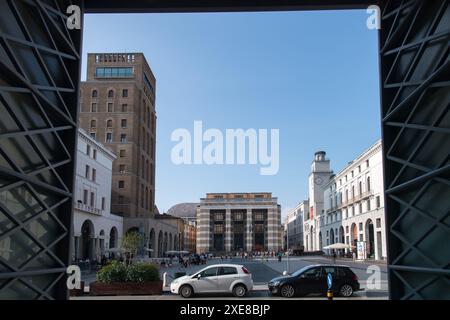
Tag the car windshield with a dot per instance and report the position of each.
(300, 271)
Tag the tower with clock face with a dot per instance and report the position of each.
(318, 178)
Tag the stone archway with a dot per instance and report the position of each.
(354, 236)
(87, 240)
(370, 239)
(113, 238)
(165, 243)
(160, 244)
(152, 243)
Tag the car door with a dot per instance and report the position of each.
(207, 282)
(226, 276)
(309, 281)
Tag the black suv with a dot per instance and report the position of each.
(313, 279)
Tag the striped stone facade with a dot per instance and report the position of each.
(234, 222)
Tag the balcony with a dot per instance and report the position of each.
(84, 207)
(356, 198)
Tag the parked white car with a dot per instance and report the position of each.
(219, 278)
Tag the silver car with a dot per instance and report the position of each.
(219, 278)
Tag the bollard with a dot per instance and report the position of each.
(330, 295)
(164, 279)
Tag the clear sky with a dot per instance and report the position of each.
(312, 75)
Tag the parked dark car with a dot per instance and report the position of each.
(313, 280)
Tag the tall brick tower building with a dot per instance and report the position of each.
(118, 109)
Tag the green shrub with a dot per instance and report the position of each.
(142, 272)
(117, 272)
(112, 272)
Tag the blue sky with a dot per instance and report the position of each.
(312, 75)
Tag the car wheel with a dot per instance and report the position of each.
(239, 290)
(346, 290)
(287, 291)
(186, 291)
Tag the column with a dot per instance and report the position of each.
(271, 235)
(228, 236)
(249, 231)
(203, 230)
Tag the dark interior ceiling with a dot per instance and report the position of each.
(143, 6)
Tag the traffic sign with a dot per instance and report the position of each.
(329, 280)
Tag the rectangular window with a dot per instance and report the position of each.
(94, 107)
(122, 153)
(122, 168)
(239, 228)
(86, 173)
(259, 227)
(110, 107)
(239, 216)
(124, 107)
(123, 138)
(378, 201)
(93, 135)
(85, 196)
(88, 150)
(218, 228)
(109, 137)
(121, 184)
(378, 223)
(125, 93)
(103, 203)
(94, 154)
(94, 175)
(123, 123)
(92, 199)
(218, 216)
(360, 226)
(368, 205)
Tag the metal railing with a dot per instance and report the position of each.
(84, 207)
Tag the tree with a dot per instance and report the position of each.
(130, 245)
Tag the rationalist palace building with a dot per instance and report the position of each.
(237, 222)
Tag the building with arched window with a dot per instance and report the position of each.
(96, 231)
(348, 206)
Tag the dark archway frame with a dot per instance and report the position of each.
(40, 61)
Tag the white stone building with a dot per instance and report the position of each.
(351, 209)
(95, 229)
(294, 226)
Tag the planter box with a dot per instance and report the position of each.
(126, 288)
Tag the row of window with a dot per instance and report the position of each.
(91, 201)
(219, 216)
(352, 173)
(338, 197)
(109, 123)
(347, 213)
(111, 93)
(91, 174)
(114, 72)
(88, 152)
(109, 137)
(109, 107)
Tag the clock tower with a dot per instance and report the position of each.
(318, 178)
